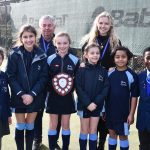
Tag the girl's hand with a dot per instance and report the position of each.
(130, 119)
(9, 120)
(111, 68)
(28, 99)
(23, 96)
(92, 107)
(82, 65)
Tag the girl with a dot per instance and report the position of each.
(62, 68)
(27, 72)
(92, 88)
(5, 113)
(122, 99)
(103, 34)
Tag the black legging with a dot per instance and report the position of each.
(38, 126)
(144, 138)
(58, 126)
(102, 132)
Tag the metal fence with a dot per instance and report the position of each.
(131, 20)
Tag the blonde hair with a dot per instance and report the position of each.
(92, 35)
(61, 34)
(2, 52)
(25, 28)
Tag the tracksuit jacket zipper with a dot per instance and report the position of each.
(26, 72)
(36, 58)
(62, 64)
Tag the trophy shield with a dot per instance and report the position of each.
(62, 83)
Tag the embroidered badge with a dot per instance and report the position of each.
(123, 83)
(56, 65)
(5, 89)
(100, 78)
(39, 67)
(2, 81)
(69, 67)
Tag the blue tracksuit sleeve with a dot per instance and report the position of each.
(103, 94)
(82, 95)
(134, 87)
(11, 73)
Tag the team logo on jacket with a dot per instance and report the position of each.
(123, 83)
(39, 67)
(2, 82)
(56, 65)
(100, 78)
(62, 83)
(69, 67)
(4, 89)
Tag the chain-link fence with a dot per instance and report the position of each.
(137, 63)
(131, 20)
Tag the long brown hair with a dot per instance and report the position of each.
(25, 28)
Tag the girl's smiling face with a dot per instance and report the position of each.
(28, 39)
(121, 59)
(93, 55)
(62, 43)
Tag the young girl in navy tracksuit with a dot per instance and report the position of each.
(27, 72)
(103, 33)
(92, 88)
(61, 104)
(122, 99)
(5, 113)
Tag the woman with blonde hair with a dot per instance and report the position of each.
(102, 33)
